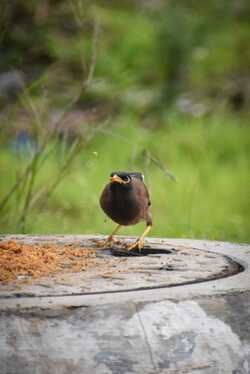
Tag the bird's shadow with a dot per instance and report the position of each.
(145, 251)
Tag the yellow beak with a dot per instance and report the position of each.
(116, 179)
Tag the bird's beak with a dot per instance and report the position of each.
(116, 179)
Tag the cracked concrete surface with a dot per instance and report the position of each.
(201, 328)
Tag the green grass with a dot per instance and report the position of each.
(210, 158)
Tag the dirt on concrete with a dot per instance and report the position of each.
(20, 261)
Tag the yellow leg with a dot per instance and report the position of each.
(140, 242)
(110, 238)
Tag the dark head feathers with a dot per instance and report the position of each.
(122, 174)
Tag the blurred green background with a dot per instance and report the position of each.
(89, 87)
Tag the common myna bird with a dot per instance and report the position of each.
(125, 199)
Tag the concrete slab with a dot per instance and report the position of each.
(158, 265)
(192, 328)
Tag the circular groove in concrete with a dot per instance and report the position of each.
(160, 265)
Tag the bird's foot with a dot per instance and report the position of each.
(137, 245)
(107, 242)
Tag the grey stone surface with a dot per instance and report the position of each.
(199, 328)
(159, 265)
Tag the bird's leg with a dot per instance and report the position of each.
(140, 242)
(110, 238)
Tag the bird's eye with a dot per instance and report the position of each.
(126, 178)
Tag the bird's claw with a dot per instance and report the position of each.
(137, 245)
(109, 242)
(105, 243)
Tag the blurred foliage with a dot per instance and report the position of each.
(159, 86)
(149, 52)
(209, 200)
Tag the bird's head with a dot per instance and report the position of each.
(121, 178)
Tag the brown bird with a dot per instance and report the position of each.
(126, 201)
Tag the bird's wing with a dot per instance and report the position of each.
(146, 213)
(149, 201)
(142, 190)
